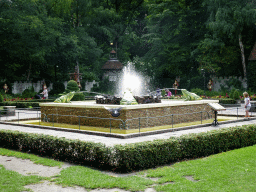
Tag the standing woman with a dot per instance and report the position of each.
(247, 104)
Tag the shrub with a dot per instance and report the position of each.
(131, 157)
(105, 86)
(1, 98)
(227, 101)
(78, 97)
(72, 86)
(236, 94)
(57, 88)
(198, 91)
(28, 93)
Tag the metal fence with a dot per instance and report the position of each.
(236, 110)
(22, 114)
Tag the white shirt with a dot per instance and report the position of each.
(247, 102)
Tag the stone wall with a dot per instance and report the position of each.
(19, 87)
(130, 116)
(218, 81)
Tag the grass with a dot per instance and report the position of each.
(12, 181)
(229, 171)
(34, 158)
(92, 179)
(121, 131)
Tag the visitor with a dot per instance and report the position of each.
(169, 93)
(247, 104)
(45, 93)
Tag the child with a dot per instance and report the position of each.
(247, 104)
(45, 93)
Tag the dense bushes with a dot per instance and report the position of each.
(28, 93)
(78, 97)
(135, 156)
(57, 88)
(1, 98)
(72, 86)
(20, 104)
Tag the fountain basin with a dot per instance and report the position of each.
(131, 116)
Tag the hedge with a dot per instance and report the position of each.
(227, 101)
(131, 157)
(20, 104)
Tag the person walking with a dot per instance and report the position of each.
(45, 93)
(247, 104)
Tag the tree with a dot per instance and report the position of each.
(174, 30)
(228, 21)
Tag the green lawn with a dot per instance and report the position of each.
(230, 171)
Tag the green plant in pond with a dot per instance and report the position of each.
(190, 96)
(65, 98)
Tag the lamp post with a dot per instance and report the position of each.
(203, 72)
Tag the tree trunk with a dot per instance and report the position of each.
(242, 54)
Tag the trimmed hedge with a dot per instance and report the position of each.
(20, 104)
(79, 96)
(131, 157)
(25, 104)
(227, 101)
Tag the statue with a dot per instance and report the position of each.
(209, 85)
(175, 86)
(5, 88)
(128, 99)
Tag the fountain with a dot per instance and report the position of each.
(134, 108)
(132, 89)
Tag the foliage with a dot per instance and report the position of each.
(251, 75)
(197, 91)
(105, 86)
(28, 93)
(1, 98)
(57, 88)
(78, 96)
(227, 23)
(234, 94)
(165, 39)
(234, 83)
(131, 157)
(20, 104)
(72, 86)
(227, 101)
